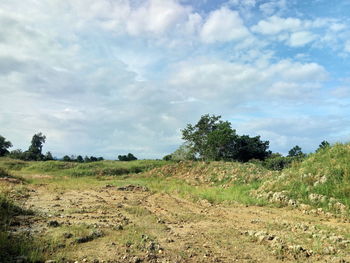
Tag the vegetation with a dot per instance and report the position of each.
(127, 158)
(321, 180)
(212, 139)
(4, 145)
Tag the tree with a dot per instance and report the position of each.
(214, 139)
(48, 157)
(296, 152)
(80, 159)
(247, 148)
(184, 152)
(4, 145)
(66, 158)
(35, 149)
(210, 138)
(323, 145)
(127, 158)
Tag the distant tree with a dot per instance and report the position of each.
(100, 159)
(184, 152)
(323, 145)
(127, 158)
(93, 159)
(167, 157)
(66, 158)
(35, 149)
(16, 154)
(80, 159)
(214, 139)
(296, 152)
(48, 156)
(211, 138)
(4, 145)
(87, 159)
(247, 148)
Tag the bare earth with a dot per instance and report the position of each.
(132, 224)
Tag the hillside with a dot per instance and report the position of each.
(322, 180)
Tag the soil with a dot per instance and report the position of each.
(132, 224)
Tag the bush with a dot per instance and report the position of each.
(278, 163)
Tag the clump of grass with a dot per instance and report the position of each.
(11, 164)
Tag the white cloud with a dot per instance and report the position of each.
(156, 16)
(236, 83)
(223, 25)
(274, 25)
(298, 39)
(347, 46)
(271, 7)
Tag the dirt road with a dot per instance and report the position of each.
(132, 224)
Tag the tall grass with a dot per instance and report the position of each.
(101, 168)
(326, 173)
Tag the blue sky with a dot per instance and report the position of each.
(110, 77)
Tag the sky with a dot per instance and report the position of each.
(110, 77)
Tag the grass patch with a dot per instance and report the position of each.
(325, 173)
(214, 194)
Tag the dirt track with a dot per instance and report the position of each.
(134, 225)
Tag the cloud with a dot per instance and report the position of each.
(298, 39)
(275, 25)
(111, 77)
(156, 16)
(271, 7)
(347, 46)
(223, 25)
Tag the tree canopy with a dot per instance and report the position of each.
(127, 158)
(4, 145)
(214, 139)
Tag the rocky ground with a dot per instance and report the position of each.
(132, 224)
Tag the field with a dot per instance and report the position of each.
(157, 211)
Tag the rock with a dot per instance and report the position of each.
(315, 198)
(21, 259)
(329, 251)
(53, 223)
(50, 261)
(67, 235)
(131, 187)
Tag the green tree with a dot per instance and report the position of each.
(16, 154)
(4, 145)
(66, 158)
(184, 152)
(323, 145)
(48, 156)
(35, 149)
(80, 159)
(214, 139)
(127, 158)
(210, 138)
(247, 148)
(296, 152)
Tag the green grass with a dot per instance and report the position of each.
(101, 168)
(304, 178)
(214, 194)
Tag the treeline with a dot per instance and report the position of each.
(212, 139)
(34, 152)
